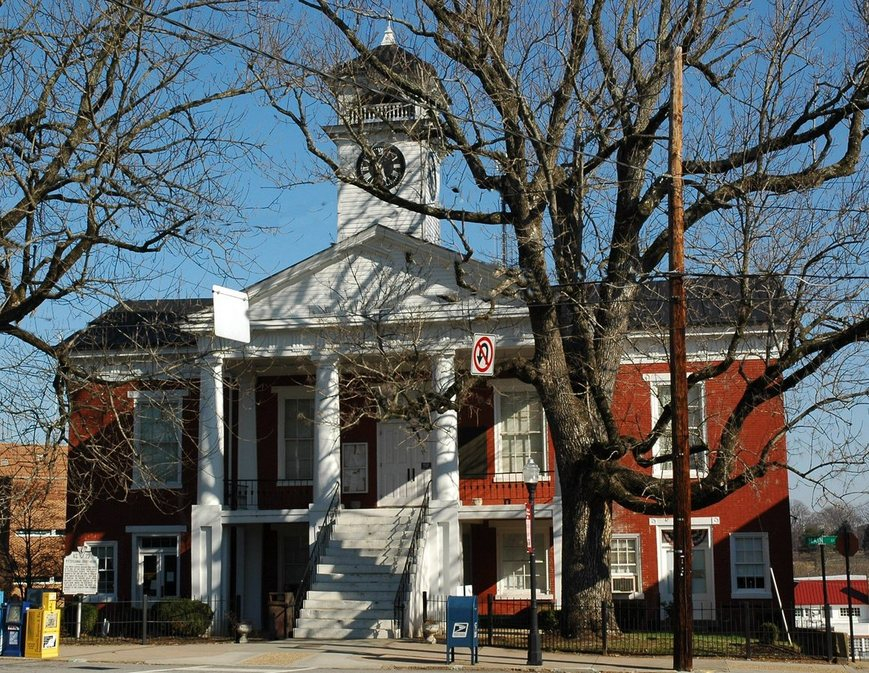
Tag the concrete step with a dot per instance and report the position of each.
(381, 613)
(391, 559)
(374, 593)
(357, 580)
(360, 622)
(397, 544)
(341, 634)
(332, 603)
(358, 574)
(389, 513)
(372, 570)
(385, 535)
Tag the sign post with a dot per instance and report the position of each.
(846, 545)
(822, 541)
(81, 577)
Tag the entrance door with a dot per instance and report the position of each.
(158, 566)
(702, 586)
(403, 465)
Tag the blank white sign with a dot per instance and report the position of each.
(230, 314)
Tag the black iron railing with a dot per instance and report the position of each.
(268, 493)
(751, 629)
(403, 591)
(324, 535)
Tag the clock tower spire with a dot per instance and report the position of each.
(387, 133)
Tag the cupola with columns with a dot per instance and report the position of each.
(387, 136)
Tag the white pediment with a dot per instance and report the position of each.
(376, 274)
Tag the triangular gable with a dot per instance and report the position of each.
(376, 272)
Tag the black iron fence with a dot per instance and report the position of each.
(745, 630)
(146, 620)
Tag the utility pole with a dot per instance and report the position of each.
(683, 628)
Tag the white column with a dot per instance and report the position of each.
(445, 477)
(207, 554)
(444, 545)
(211, 431)
(327, 432)
(247, 460)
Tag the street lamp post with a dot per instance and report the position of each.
(531, 475)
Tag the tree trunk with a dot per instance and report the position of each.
(587, 522)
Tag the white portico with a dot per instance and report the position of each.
(277, 441)
(265, 403)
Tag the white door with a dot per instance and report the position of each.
(403, 465)
(702, 586)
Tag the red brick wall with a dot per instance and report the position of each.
(35, 494)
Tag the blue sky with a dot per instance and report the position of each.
(284, 225)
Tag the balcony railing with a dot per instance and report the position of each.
(269, 493)
(503, 488)
(384, 112)
(491, 488)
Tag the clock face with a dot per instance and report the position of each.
(388, 161)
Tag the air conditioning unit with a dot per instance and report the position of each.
(623, 584)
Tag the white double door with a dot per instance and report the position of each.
(702, 579)
(403, 465)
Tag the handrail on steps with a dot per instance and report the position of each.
(324, 535)
(400, 603)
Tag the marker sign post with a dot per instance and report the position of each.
(81, 576)
(483, 355)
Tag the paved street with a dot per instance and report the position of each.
(359, 655)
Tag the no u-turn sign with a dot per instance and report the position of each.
(483, 355)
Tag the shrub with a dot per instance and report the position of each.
(769, 633)
(88, 617)
(182, 617)
(549, 621)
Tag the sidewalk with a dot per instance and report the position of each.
(402, 654)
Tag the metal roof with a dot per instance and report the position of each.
(140, 324)
(712, 302)
(811, 592)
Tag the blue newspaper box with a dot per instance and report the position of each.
(14, 621)
(462, 626)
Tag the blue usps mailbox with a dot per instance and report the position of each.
(462, 626)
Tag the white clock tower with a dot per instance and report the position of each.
(384, 130)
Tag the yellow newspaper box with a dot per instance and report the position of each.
(49, 600)
(43, 633)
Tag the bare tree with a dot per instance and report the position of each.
(32, 514)
(120, 146)
(556, 114)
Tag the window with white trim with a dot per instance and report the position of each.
(625, 573)
(157, 438)
(849, 612)
(107, 558)
(520, 432)
(514, 577)
(296, 434)
(660, 389)
(749, 565)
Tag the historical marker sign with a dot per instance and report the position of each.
(483, 355)
(81, 573)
